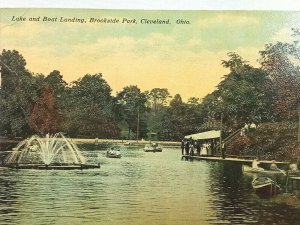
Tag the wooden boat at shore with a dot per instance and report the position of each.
(264, 186)
(154, 147)
(249, 169)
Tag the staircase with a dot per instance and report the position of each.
(228, 140)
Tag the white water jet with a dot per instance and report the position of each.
(50, 150)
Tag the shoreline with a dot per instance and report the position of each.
(125, 142)
(12, 142)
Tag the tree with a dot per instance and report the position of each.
(178, 120)
(176, 102)
(159, 97)
(133, 102)
(56, 81)
(89, 108)
(281, 61)
(194, 101)
(45, 117)
(244, 97)
(18, 93)
(235, 62)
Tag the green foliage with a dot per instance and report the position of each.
(55, 80)
(158, 97)
(133, 103)
(235, 62)
(244, 97)
(178, 120)
(281, 61)
(263, 95)
(274, 140)
(18, 93)
(89, 108)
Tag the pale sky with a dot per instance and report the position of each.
(186, 59)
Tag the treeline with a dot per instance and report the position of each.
(36, 103)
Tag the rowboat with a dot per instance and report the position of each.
(113, 154)
(249, 169)
(265, 186)
(152, 148)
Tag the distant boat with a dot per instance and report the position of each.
(113, 154)
(154, 147)
(265, 186)
(249, 169)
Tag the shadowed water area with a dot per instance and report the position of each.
(140, 188)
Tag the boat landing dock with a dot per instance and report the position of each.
(231, 159)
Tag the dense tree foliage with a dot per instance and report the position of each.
(40, 104)
(45, 117)
(281, 61)
(244, 97)
(133, 103)
(158, 98)
(89, 108)
(178, 120)
(18, 93)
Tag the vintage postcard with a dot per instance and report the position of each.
(170, 117)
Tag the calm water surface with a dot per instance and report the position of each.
(140, 188)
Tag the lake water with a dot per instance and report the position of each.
(140, 188)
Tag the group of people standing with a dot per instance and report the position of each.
(248, 127)
(198, 147)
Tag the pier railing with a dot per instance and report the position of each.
(230, 138)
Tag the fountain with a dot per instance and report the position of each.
(50, 152)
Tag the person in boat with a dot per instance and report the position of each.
(294, 168)
(273, 165)
(154, 145)
(255, 164)
(110, 150)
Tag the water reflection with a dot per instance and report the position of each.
(140, 188)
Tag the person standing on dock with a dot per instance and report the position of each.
(198, 147)
(223, 150)
(182, 146)
(212, 146)
(192, 149)
(187, 147)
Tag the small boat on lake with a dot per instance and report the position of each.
(249, 169)
(113, 154)
(264, 186)
(154, 147)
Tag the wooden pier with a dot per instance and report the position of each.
(232, 159)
